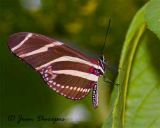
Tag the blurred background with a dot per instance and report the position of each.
(80, 24)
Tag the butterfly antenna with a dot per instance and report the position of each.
(105, 39)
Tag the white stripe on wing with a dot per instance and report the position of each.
(22, 42)
(72, 59)
(84, 75)
(42, 49)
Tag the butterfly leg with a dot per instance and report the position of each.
(95, 96)
(110, 82)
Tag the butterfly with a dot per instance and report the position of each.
(67, 71)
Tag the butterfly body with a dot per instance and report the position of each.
(65, 70)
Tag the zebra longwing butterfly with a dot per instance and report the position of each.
(65, 70)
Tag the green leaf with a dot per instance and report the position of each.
(142, 101)
(132, 40)
(137, 103)
(152, 16)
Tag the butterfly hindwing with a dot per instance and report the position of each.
(70, 86)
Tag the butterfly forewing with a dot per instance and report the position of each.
(64, 69)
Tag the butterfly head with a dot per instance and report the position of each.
(102, 64)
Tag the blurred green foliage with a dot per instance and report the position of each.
(79, 23)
